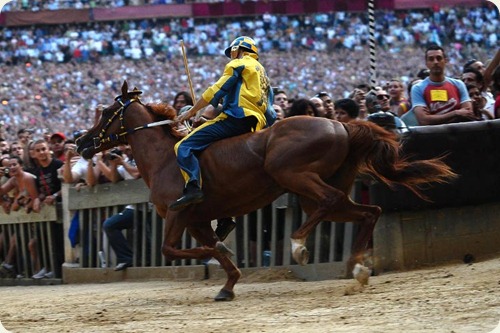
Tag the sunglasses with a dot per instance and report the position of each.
(382, 97)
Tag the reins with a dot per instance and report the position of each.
(98, 141)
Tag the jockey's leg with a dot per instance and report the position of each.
(198, 140)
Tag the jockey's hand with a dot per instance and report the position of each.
(185, 113)
(199, 121)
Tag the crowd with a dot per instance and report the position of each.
(55, 76)
(36, 5)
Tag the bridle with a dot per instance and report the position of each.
(102, 138)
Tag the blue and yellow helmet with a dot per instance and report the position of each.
(243, 41)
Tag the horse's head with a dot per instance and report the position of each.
(109, 130)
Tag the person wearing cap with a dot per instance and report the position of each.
(246, 107)
(56, 144)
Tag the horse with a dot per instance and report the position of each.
(318, 159)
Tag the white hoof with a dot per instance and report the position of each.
(361, 274)
(299, 252)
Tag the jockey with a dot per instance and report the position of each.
(246, 107)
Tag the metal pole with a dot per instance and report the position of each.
(373, 52)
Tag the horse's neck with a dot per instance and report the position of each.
(153, 151)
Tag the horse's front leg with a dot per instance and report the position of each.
(174, 229)
(206, 236)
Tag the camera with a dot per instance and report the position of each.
(6, 171)
(113, 154)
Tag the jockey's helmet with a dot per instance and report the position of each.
(244, 42)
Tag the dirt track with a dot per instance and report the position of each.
(453, 298)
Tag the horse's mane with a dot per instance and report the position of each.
(164, 111)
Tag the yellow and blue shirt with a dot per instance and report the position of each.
(244, 88)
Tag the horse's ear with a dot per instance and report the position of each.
(125, 89)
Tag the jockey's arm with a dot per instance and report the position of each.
(200, 104)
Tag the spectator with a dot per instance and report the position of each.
(384, 117)
(122, 169)
(75, 173)
(359, 96)
(327, 103)
(280, 115)
(26, 193)
(4, 147)
(23, 185)
(346, 110)
(281, 99)
(303, 107)
(478, 102)
(440, 99)
(182, 99)
(405, 106)
(56, 144)
(371, 103)
(423, 73)
(49, 186)
(395, 88)
(318, 103)
(16, 149)
(475, 77)
(24, 136)
(29, 157)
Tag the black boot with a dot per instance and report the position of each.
(192, 195)
(224, 227)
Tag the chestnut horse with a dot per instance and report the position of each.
(316, 158)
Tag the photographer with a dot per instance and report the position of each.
(114, 165)
(121, 167)
(76, 168)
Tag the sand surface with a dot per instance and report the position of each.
(453, 298)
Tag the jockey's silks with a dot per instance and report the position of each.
(244, 88)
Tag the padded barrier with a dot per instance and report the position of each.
(473, 152)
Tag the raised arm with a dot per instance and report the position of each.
(488, 72)
(30, 186)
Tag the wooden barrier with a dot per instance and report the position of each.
(261, 239)
(44, 231)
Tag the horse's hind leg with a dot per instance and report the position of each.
(325, 197)
(364, 215)
(206, 236)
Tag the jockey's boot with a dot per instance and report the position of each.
(192, 195)
(224, 227)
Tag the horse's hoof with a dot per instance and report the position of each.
(222, 248)
(224, 295)
(361, 273)
(301, 255)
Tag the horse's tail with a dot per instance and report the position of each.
(377, 152)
